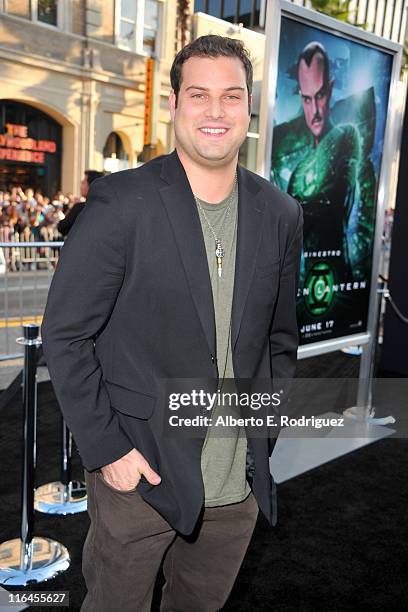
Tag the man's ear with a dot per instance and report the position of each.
(172, 104)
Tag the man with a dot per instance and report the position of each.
(325, 180)
(64, 226)
(193, 277)
(315, 89)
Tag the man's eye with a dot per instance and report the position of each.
(233, 97)
(197, 96)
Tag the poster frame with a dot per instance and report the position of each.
(276, 10)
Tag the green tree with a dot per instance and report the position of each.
(340, 10)
(335, 8)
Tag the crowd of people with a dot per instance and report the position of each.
(28, 215)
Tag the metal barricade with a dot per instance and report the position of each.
(26, 270)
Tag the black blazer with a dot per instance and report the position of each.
(131, 304)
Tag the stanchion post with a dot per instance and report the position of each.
(31, 343)
(66, 450)
(65, 496)
(30, 559)
(368, 359)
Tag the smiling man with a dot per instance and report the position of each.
(191, 269)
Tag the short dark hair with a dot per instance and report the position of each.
(308, 53)
(212, 45)
(92, 175)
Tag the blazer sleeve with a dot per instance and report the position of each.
(82, 296)
(284, 338)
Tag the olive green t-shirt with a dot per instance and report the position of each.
(223, 459)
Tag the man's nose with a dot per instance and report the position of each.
(316, 109)
(215, 108)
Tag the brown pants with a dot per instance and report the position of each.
(128, 540)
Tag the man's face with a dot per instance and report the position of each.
(211, 119)
(315, 94)
(84, 186)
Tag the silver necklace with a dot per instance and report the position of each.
(219, 247)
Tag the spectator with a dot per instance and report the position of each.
(65, 225)
(26, 214)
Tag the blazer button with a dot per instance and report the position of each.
(213, 359)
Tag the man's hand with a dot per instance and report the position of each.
(124, 474)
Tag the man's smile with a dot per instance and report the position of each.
(213, 132)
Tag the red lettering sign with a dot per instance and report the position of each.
(16, 130)
(16, 137)
(24, 156)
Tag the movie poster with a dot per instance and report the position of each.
(328, 140)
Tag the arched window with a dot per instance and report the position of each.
(114, 154)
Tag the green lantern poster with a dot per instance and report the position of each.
(327, 144)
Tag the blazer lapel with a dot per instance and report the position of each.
(182, 212)
(250, 223)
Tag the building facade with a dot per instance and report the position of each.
(84, 85)
(387, 18)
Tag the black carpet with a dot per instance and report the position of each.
(341, 541)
